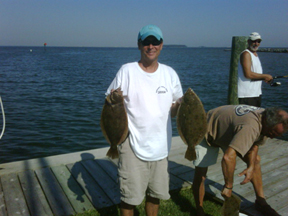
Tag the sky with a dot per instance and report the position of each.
(116, 23)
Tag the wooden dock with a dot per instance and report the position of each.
(72, 183)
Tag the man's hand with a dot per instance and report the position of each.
(248, 175)
(268, 78)
(179, 100)
(226, 193)
(249, 159)
(175, 106)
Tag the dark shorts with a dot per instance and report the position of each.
(254, 101)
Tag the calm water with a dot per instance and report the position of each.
(53, 98)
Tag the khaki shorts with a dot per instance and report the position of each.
(139, 178)
(206, 155)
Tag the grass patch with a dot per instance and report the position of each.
(181, 203)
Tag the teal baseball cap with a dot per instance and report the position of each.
(150, 30)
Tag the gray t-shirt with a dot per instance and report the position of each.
(237, 126)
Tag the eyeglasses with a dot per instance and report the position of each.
(258, 41)
(154, 42)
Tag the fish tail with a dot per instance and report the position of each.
(112, 153)
(190, 154)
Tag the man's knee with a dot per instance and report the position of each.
(153, 200)
(126, 206)
(200, 174)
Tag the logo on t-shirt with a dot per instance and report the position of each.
(161, 90)
(241, 110)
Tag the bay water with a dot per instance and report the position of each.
(53, 96)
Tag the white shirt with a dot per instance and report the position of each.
(148, 98)
(247, 87)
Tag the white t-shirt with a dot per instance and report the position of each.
(247, 87)
(148, 98)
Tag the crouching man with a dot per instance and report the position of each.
(238, 130)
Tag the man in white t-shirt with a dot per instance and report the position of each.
(250, 74)
(152, 92)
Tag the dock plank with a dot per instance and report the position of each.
(93, 191)
(56, 198)
(176, 183)
(279, 200)
(272, 178)
(179, 169)
(34, 195)
(177, 156)
(109, 167)
(283, 211)
(271, 190)
(108, 185)
(72, 189)
(95, 177)
(14, 198)
(3, 211)
(265, 152)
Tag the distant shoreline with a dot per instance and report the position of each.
(275, 50)
(174, 46)
(171, 46)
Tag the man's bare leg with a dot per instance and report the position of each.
(152, 206)
(257, 179)
(126, 209)
(199, 188)
(260, 203)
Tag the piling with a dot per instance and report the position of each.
(239, 43)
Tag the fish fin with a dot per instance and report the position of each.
(112, 153)
(190, 154)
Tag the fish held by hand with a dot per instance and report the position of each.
(191, 122)
(114, 121)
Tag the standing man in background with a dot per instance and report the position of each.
(250, 70)
(152, 92)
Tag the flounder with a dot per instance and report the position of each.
(114, 122)
(191, 122)
(231, 206)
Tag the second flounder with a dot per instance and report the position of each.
(191, 122)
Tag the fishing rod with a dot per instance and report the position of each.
(273, 84)
(277, 77)
(3, 114)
